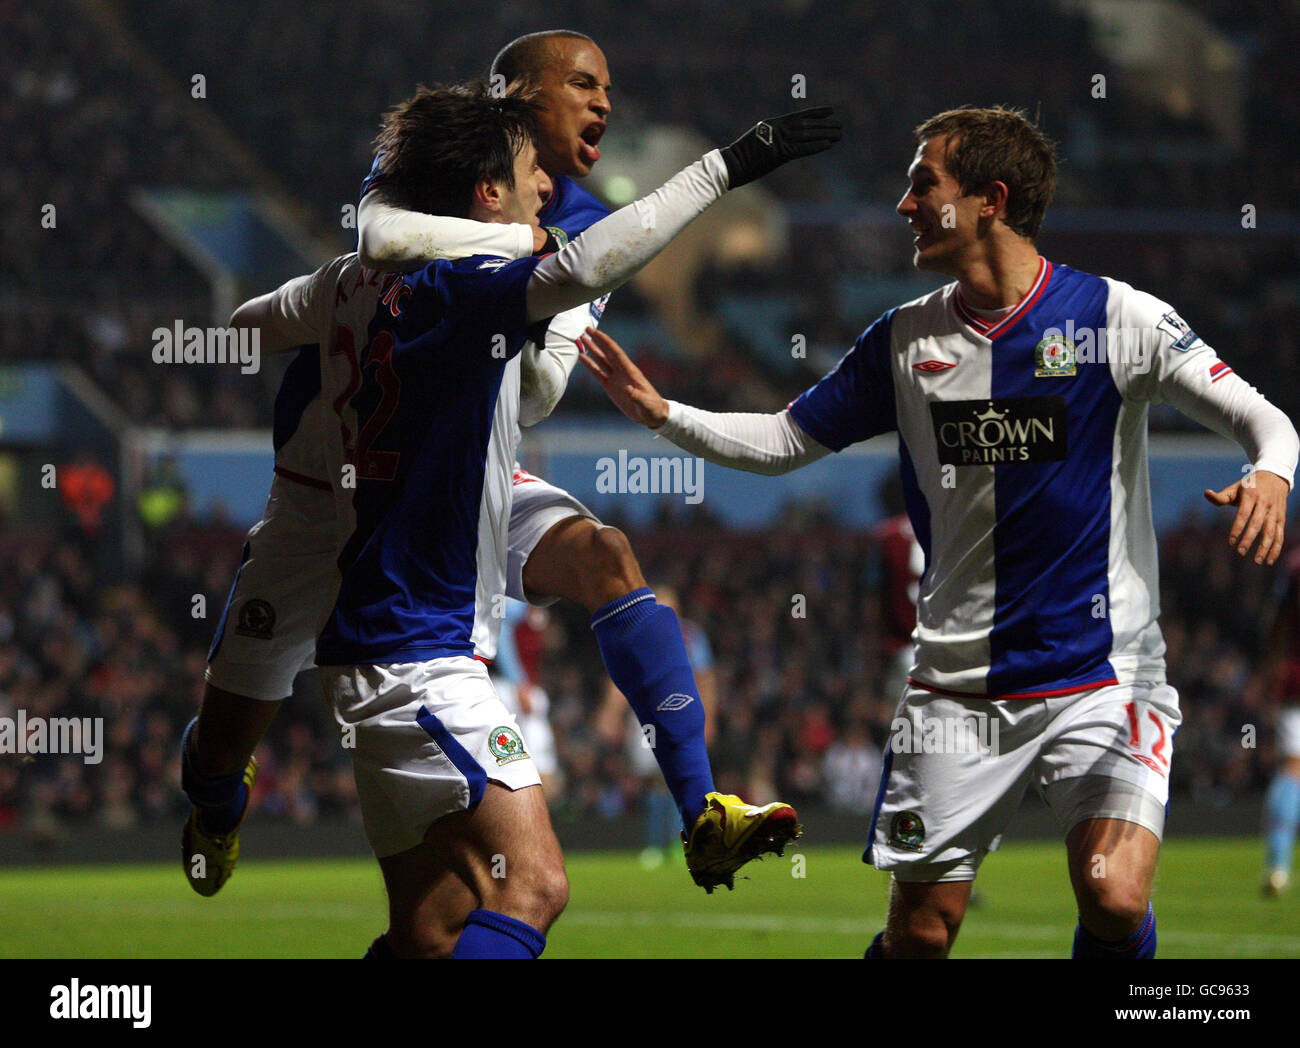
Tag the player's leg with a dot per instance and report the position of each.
(440, 762)
(924, 919)
(282, 591)
(224, 735)
(217, 774)
(566, 553)
(1104, 772)
(557, 549)
(427, 905)
(954, 774)
(1112, 865)
(484, 882)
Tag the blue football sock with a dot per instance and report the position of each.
(494, 936)
(1140, 946)
(876, 951)
(641, 643)
(1281, 818)
(221, 799)
(379, 951)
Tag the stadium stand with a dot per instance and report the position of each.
(804, 709)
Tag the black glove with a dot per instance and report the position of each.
(771, 143)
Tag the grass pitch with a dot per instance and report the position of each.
(815, 902)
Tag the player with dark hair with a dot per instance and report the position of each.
(422, 372)
(557, 548)
(1019, 393)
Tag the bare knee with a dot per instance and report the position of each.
(924, 919)
(1112, 864)
(536, 894)
(611, 566)
(425, 938)
(585, 562)
(1112, 907)
(921, 935)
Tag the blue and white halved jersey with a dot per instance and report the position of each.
(427, 401)
(1023, 447)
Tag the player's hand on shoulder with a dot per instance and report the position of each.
(622, 380)
(1260, 498)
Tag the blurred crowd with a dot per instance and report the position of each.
(94, 109)
(806, 622)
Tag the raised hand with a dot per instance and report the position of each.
(622, 380)
(771, 143)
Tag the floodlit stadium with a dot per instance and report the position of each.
(171, 163)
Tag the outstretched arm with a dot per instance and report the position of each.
(613, 250)
(756, 443)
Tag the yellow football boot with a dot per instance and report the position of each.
(209, 858)
(730, 832)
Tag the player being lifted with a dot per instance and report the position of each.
(1023, 454)
(423, 372)
(556, 546)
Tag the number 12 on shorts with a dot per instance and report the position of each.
(1157, 752)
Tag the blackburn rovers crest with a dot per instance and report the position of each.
(906, 831)
(256, 619)
(506, 745)
(1055, 357)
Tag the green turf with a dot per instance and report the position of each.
(1207, 897)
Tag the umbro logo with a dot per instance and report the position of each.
(931, 366)
(674, 702)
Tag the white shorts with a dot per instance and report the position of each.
(287, 583)
(1288, 732)
(536, 508)
(283, 592)
(955, 771)
(425, 738)
(535, 725)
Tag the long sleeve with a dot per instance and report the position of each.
(391, 239)
(1179, 368)
(756, 443)
(613, 250)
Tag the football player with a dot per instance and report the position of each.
(557, 548)
(422, 373)
(1019, 393)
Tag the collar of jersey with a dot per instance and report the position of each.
(991, 329)
(552, 201)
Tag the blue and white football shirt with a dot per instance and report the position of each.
(427, 406)
(1023, 447)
